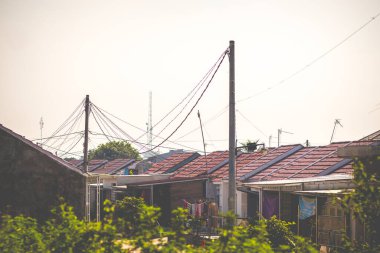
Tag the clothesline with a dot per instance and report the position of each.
(196, 209)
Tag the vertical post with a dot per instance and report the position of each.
(98, 198)
(316, 219)
(151, 195)
(279, 204)
(279, 131)
(232, 134)
(85, 144)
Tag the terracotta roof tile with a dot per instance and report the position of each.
(310, 162)
(202, 164)
(170, 162)
(113, 166)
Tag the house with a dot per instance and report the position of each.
(310, 179)
(32, 179)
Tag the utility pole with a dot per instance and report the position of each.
(85, 144)
(232, 133)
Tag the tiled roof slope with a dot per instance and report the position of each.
(39, 149)
(202, 164)
(171, 162)
(372, 137)
(96, 164)
(113, 166)
(75, 162)
(310, 162)
(241, 161)
(248, 162)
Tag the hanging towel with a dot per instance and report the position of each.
(307, 207)
(270, 204)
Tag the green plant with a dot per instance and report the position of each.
(364, 201)
(20, 234)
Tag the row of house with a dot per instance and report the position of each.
(294, 182)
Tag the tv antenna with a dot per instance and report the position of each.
(336, 122)
(279, 132)
(41, 126)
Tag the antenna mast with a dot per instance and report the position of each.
(41, 126)
(336, 122)
(279, 132)
(150, 125)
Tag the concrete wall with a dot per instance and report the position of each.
(31, 182)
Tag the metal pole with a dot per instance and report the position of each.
(85, 144)
(151, 195)
(98, 198)
(316, 219)
(232, 133)
(203, 138)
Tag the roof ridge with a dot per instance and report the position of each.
(41, 150)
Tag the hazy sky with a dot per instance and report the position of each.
(53, 53)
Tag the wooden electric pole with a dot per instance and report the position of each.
(232, 133)
(85, 144)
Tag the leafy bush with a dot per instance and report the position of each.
(20, 234)
(130, 224)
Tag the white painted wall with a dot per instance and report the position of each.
(241, 204)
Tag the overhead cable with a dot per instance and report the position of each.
(188, 114)
(315, 60)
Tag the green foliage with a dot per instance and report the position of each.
(132, 225)
(66, 233)
(279, 232)
(113, 150)
(137, 221)
(364, 201)
(249, 146)
(241, 239)
(20, 234)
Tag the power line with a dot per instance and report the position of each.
(122, 139)
(217, 115)
(136, 140)
(315, 60)
(70, 153)
(202, 83)
(56, 136)
(203, 92)
(66, 121)
(250, 122)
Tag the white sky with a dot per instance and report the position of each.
(53, 53)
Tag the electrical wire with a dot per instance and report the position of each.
(73, 146)
(197, 87)
(188, 114)
(136, 140)
(70, 153)
(200, 86)
(56, 136)
(66, 121)
(250, 122)
(122, 139)
(217, 115)
(312, 62)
